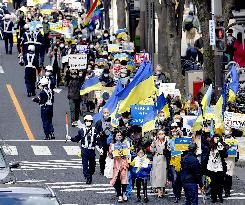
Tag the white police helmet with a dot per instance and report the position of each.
(31, 48)
(26, 26)
(7, 16)
(49, 68)
(44, 81)
(88, 118)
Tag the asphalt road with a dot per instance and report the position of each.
(56, 162)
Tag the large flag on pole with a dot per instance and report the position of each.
(234, 85)
(140, 88)
(94, 13)
(91, 85)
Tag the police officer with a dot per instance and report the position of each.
(8, 26)
(39, 41)
(31, 64)
(26, 39)
(89, 141)
(191, 175)
(45, 101)
(49, 74)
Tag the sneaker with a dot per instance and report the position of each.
(52, 136)
(146, 200)
(120, 199)
(125, 198)
(47, 137)
(138, 199)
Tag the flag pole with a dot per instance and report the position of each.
(67, 128)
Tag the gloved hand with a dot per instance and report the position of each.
(68, 138)
(101, 151)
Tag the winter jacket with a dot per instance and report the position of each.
(191, 170)
(74, 89)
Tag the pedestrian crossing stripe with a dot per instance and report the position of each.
(42, 150)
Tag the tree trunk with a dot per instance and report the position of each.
(142, 24)
(227, 12)
(107, 17)
(121, 14)
(204, 15)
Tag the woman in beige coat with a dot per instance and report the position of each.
(159, 165)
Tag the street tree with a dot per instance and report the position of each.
(121, 13)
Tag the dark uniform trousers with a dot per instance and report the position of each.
(88, 161)
(47, 115)
(8, 40)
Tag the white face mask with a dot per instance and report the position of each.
(88, 124)
(106, 35)
(161, 118)
(227, 132)
(48, 73)
(123, 75)
(106, 116)
(106, 75)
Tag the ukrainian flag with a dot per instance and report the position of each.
(206, 100)
(150, 120)
(91, 85)
(111, 104)
(141, 87)
(234, 85)
(202, 112)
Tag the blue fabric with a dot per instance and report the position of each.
(129, 188)
(191, 194)
(143, 173)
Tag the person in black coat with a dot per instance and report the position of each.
(191, 175)
(215, 167)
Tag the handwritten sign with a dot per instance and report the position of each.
(138, 113)
(139, 57)
(82, 48)
(77, 61)
(128, 47)
(234, 120)
(181, 144)
(167, 88)
(121, 149)
(113, 48)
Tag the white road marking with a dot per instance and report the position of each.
(72, 150)
(1, 69)
(31, 181)
(41, 150)
(10, 150)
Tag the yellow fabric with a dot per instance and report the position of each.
(218, 117)
(232, 96)
(142, 91)
(149, 126)
(166, 111)
(197, 124)
(97, 86)
(176, 162)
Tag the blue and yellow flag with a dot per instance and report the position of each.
(111, 104)
(206, 99)
(150, 120)
(141, 87)
(91, 85)
(234, 85)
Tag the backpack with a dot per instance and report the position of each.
(189, 25)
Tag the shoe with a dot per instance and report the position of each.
(102, 173)
(33, 94)
(47, 137)
(214, 201)
(120, 199)
(146, 200)
(28, 95)
(138, 199)
(176, 200)
(52, 136)
(10, 52)
(89, 181)
(221, 200)
(125, 198)
(19, 55)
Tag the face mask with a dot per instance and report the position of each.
(106, 116)
(88, 124)
(182, 114)
(123, 75)
(48, 73)
(106, 75)
(45, 21)
(227, 132)
(161, 119)
(194, 112)
(60, 18)
(106, 35)
(125, 121)
(61, 45)
(161, 137)
(174, 133)
(66, 46)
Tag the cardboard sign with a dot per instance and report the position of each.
(128, 47)
(112, 48)
(121, 149)
(82, 48)
(139, 57)
(172, 148)
(232, 151)
(167, 88)
(234, 120)
(181, 144)
(138, 113)
(77, 61)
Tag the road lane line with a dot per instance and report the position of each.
(1, 69)
(41, 150)
(10, 150)
(72, 150)
(20, 112)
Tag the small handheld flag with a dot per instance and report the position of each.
(67, 129)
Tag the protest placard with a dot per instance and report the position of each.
(128, 47)
(77, 61)
(167, 88)
(139, 57)
(234, 120)
(181, 144)
(172, 148)
(139, 112)
(82, 48)
(233, 146)
(113, 48)
(188, 122)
